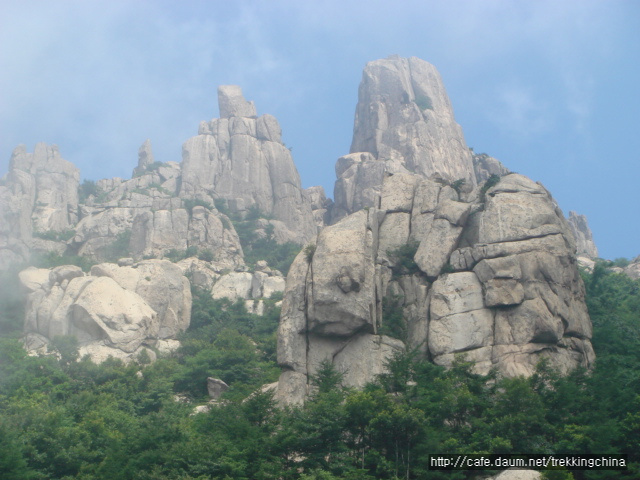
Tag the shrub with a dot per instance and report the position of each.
(492, 181)
(206, 255)
(447, 268)
(393, 322)
(119, 248)
(424, 102)
(403, 259)
(189, 203)
(86, 189)
(458, 184)
(53, 259)
(309, 250)
(56, 236)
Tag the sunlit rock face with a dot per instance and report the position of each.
(491, 277)
(241, 158)
(404, 123)
(114, 311)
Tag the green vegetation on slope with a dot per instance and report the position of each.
(65, 419)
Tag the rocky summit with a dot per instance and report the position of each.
(426, 246)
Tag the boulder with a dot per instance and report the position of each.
(216, 387)
(342, 300)
(113, 311)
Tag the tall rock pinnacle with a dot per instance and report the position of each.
(404, 123)
(241, 158)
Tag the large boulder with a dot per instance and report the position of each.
(113, 311)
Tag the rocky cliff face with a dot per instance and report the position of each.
(404, 123)
(490, 275)
(240, 157)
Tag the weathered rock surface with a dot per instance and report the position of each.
(633, 269)
(145, 158)
(241, 158)
(485, 166)
(585, 245)
(113, 310)
(39, 195)
(404, 123)
(493, 281)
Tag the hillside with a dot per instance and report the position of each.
(212, 319)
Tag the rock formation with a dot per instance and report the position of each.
(492, 278)
(241, 158)
(38, 196)
(633, 269)
(403, 124)
(585, 246)
(484, 166)
(114, 311)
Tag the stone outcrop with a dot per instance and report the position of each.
(492, 278)
(145, 158)
(241, 159)
(321, 206)
(585, 245)
(38, 196)
(633, 269)
(485, 166)
(517, 474)
(404, 123)
(113, 311)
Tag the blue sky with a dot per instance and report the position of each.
(550, 88)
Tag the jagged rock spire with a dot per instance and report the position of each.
(404, 123)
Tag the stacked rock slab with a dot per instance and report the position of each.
(240, 157)
(404, 123)
(493, 279)
(114, 311)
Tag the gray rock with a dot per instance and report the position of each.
(486, 166)
(403, 124)
(145, 158)
(358, 185)
(216, 387)
(232, 102)
(342, 299)
(113, 311)
(506, 291)
(240, 158)
(583, 236)
(633, 269)
(517, 475)
(39, 195)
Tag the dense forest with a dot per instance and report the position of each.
(62, 417)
